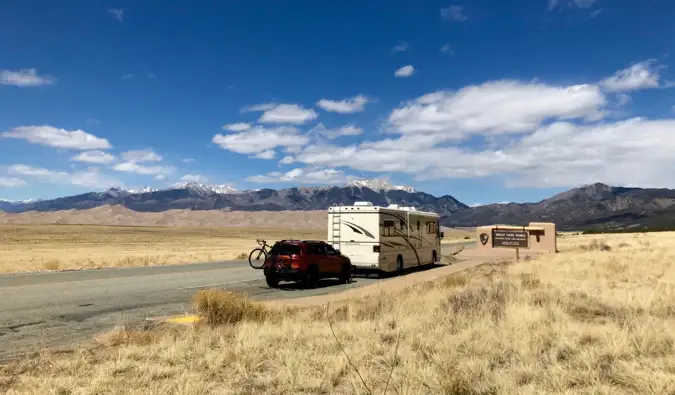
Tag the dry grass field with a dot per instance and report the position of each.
(59, 247)
(596, 318)
(29, 248)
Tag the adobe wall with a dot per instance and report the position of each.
(542, 236)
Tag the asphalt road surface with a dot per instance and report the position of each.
(55, 309)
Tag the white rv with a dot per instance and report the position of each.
(388, 238)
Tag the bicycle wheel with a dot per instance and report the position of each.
(257, 258)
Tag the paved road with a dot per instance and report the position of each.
(56, 308)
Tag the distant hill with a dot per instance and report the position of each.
(195, 196)
(596, 206)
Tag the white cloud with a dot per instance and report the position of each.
(127, 76)
(552, 136)
(267, 154)
(237, 127)
(12, 182)
(134, 167)
(447, 48)
(117, 13)
(400, 47)
(59, 138)
(189, 160)
(159, 177)
(405, 71)
(287, 160)
(151, 76)
(347, 130)
(642, 75)
(91, 178)
(259, 107)
(144, 155)
(623, 99)
(345, 106)
(24, 78)
(634, 152)
(584, 3)
(578, 3)
(498, 107)
(194, 178)
(93, 121)
(455, 13)
(288, 113)
(302, 176)
(26, 170)
(259, 139)
(98, 157)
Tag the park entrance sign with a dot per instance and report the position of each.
(510, 238)
(534, 237)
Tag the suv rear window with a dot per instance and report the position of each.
(285, 249)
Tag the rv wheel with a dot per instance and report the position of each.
(399, 265)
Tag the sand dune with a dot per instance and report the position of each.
(122, 216)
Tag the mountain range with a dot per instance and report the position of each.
(596, 206)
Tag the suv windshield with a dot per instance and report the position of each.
(285, 249)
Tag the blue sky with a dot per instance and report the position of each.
(488, 101)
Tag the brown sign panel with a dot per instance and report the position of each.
(510, 238)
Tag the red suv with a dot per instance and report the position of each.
(305, 261)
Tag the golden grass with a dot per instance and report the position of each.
(29, 248)
(60, 247)
(216, 307)
(584, 321)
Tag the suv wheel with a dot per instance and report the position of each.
(272, 281)
(311, 277)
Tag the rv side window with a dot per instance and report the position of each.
(387, 228)
(401, 224)
(432, 228)
(418, 225)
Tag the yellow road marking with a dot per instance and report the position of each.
(183, 320)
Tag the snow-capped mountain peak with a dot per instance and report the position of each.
(221, 189)
(145, 189)
(21, 201)
(377, 184)
(119, 191)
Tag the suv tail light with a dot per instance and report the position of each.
(376, 248)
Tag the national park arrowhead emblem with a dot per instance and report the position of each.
(484, 238)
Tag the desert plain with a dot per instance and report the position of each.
(108, 236)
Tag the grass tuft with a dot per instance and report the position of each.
(216, 307)
(52, 264)
(596, 245)
(241, 256)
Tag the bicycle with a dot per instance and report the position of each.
(260, 251)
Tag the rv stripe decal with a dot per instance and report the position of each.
(354, 229)
(360, 230)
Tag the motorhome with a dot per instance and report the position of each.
(388, 239)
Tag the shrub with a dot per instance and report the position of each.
(242, 255)
(596, 246)
(216, 307)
